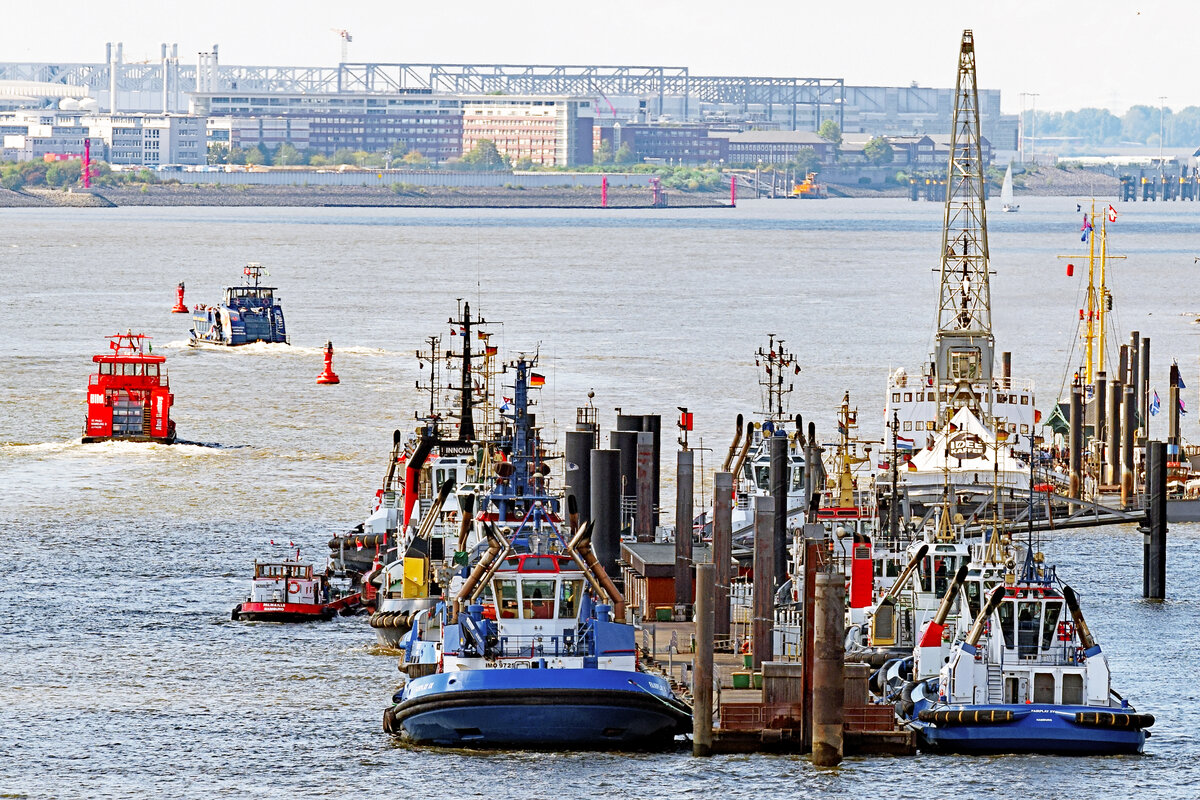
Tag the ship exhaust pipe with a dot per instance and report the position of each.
(741, 459)
(733, 445)
(1085, 634)
(985, 613)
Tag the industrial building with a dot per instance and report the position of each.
(121, 139)
(548, 114)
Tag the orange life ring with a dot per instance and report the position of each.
(293, 587)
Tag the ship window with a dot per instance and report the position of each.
(762, 477)
(1024, 399)
(964, 364)
(972, 588)
(1043, 687)
(920, 397)
(106, 368)
(908, 397)
(931, 426)
(1001, 398)
(1072, 689)
(797, 478)
(539, 599)
(152, 370)
(568, 599)
(895, 397)
(908, 425)
(920, 424)
(506, 590)
(940, 569)
(1006, 622)
(1053, 610)
(1028, 627)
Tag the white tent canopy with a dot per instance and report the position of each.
(929, 466)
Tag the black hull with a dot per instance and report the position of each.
(154, 439)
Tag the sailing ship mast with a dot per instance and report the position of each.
(965, 345)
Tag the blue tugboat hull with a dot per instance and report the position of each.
(566, 709)
(1033, 728)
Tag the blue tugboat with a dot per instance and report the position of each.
(525, 650)
(1024, 679)
(248, 313)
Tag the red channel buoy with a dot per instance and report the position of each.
(179, 308)
(327, 375)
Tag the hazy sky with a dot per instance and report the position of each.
(1108, 53)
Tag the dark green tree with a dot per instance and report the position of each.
(625, 155)
(830, 131)
(218, 154)
(603, 154)
(257, 155)
(287, 156)
(485, 156)
(64, 173)
(878, 151)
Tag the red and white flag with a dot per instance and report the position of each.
(1112, 214)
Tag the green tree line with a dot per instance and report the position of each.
(1099, 126)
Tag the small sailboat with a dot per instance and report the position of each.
(1006, 192)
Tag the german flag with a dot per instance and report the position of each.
(491, 351)
(536, 380)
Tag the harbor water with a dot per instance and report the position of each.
(122, 674)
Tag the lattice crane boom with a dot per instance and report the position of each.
(965, 344)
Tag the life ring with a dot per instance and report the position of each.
(293, 587)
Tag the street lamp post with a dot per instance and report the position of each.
(1161, 103)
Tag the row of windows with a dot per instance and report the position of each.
(921, 397)
(109, 368)
(931, 425)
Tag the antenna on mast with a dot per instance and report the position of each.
(965, 345)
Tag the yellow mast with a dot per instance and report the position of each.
(1098, 299)
(1089, 366)
(1103, 297)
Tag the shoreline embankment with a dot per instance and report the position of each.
(1044, 181)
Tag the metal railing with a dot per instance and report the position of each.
(540, 646)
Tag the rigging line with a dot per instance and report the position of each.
(1080, 296)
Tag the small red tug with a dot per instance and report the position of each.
(129, 397)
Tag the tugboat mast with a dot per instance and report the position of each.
(774, 361)
(965, 345)
(466, 427)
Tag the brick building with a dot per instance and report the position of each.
(549, 131)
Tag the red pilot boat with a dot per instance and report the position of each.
(129, 397)
(287, 591)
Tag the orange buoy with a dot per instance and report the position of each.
(327, 375)
(179, 308)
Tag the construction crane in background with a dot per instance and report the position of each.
(346, 38)
(596, 101)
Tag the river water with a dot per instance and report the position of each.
(121, 674)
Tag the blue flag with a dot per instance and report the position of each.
(1154, 404)
(1182, 385)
